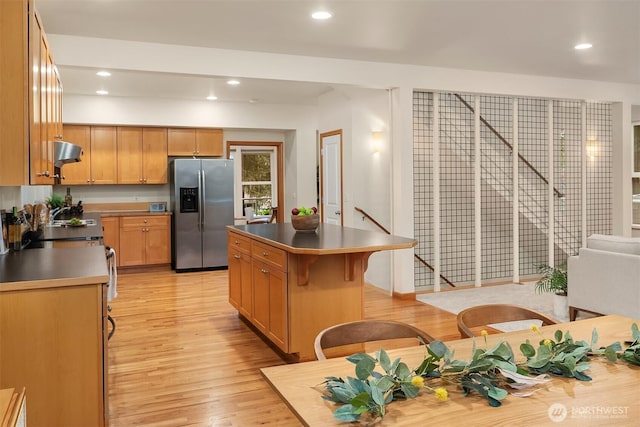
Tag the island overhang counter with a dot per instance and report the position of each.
(291, 285)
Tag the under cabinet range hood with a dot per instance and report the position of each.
(66, 152)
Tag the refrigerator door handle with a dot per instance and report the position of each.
(200, 192)
(202, 201)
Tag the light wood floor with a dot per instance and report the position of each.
(181, 356)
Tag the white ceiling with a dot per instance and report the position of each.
(517, 36)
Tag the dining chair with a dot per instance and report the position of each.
(363, 331)
(483, 315)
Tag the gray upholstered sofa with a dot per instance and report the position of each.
(605, 277)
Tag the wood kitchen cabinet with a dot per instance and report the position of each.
(54, 343)
(258, 286)
(104, 165)
(46, 105)
(142, 155)
(145, 240)
(78, 172)
(99, 158)
(31, 107)
(302, 283)
(111, 234)
(195, 142)
(270, 302)
(240, 284)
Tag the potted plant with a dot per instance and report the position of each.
(554, 279)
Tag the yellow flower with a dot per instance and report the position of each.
(417, 381)
(547, 342)
(441, 394)
(534, 328)
(484, 333)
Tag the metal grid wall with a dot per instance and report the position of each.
(533, 191)
(599, 158)
(423, 185)
(457, 134)
(497, 187)
(457, 236)
(567, 134)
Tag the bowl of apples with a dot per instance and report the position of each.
(305, 219)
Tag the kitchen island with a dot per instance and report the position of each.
(53, 331)
(291, 285)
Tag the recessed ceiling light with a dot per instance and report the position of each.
(102, 92)
(233, 82)
(321, 14)
(583, 46)
(103, 73)
(212, 98)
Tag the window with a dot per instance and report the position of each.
(256, 183)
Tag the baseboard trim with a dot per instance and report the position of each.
(403, 296)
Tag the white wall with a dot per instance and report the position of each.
(366, 175)
(242, 122)
(114, 54)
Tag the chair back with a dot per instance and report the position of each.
(482, 315)
(363, 331)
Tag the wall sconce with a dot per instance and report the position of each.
(376, 137)
(591, 149)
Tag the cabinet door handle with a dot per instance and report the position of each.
(237, 242)
(262, 270)
(265, 253)
(236, 256)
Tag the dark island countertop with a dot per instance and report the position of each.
(327, 239)
(51, 268)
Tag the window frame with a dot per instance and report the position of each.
(277, 173)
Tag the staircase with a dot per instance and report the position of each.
(498, 177)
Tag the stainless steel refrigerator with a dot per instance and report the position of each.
(202, 205)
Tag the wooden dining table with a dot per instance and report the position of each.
(612, 397)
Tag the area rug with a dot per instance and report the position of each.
(524, 294)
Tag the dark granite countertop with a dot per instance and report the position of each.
(89, 232)
(49, 267)
(327, 239)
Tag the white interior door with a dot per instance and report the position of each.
(331, 179)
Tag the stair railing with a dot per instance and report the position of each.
(415, 255)
(505, 142)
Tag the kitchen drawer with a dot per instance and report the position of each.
(243, 244)
(144, 221)
(266, 253)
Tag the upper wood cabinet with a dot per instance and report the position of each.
(195, 142)
(31, 103)
(104, 164)
(79, 172)
(142, 155)
(99, 158)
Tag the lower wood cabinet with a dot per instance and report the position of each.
(270, 302)
(240, 293)
(258, 286)
(53, 341)
(111, 234)
(144, 240)
(75, 243)
(289, 297)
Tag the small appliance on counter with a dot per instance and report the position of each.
(158, 207)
